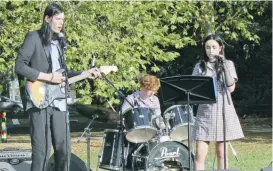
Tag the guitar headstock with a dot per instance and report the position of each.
(107, 69)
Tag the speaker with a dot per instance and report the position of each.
(15, 160)
(267, 169)
(76, 164)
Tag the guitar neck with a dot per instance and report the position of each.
(104, 69)
(76, 78)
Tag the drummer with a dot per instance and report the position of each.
(145, 98)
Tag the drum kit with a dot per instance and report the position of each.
(146, 147)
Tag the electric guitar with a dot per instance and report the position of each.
(42, 94)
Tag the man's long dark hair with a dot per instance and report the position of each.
(46, 33)
(205, 59)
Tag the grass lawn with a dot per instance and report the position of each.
(254, 151)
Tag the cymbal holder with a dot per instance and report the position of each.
(167, 117)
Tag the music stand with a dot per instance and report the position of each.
(187, 89)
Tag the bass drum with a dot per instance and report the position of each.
(168, 155)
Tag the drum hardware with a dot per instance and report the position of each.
(99, 160)
(169, 115)
(166, 157)
(138, 149)
(139, 159)
(167, 118)
(112, 154)
(126, 153)
(87, 131)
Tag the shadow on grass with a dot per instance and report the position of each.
(79, 118)
(257, 130)
(257, 137)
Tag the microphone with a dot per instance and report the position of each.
(221, 58)
(62, 40)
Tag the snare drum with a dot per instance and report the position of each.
(139, 125)
(177, 121)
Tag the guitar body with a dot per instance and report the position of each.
(42, 94)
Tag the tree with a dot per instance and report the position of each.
(138, 37)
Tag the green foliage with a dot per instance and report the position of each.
(255, 64)
(138, 36)
(15, 20)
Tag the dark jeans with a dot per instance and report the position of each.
(48, 126)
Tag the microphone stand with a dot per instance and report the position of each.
(224, 90)
(66, 107)
(189, 130)
(87, 131)
(120, 117)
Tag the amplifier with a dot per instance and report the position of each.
(15, 160)
(15, 154)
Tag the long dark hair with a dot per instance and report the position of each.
(45, 31)
(205, 59)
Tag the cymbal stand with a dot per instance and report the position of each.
(167, 118)
(87, 131)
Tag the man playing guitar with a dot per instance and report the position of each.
(38, 60)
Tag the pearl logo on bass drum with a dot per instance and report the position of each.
(166, 153)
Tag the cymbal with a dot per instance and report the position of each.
(105, 114)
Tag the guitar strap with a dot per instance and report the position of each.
(61, 57)
(47, 50)
(49, 59)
